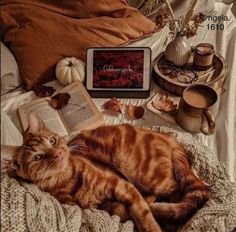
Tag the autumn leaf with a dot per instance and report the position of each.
(135, 112)
(164, 103)
(60, 100)
(114, 105)
(43, 91)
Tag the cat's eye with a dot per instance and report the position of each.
(38, 157)
(53, 140)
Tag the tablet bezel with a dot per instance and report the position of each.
(146, 68)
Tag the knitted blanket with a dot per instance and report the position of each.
(25, 208)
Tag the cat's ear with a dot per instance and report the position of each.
(7, 158)
(9, 151)
(35, 124)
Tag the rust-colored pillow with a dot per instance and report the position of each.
(42, 32)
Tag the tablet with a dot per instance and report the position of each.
(118, 72)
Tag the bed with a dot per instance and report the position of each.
(222, 144)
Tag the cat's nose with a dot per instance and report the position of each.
(58, 155)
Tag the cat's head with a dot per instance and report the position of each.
(43, 154)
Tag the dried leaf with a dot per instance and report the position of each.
(43, 91)
(164, 103)
(60, 100)
(114, 105)
(135, 112)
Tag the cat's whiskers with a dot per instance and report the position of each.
(75, 147)
(71, 148)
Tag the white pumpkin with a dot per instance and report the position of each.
(70, 69)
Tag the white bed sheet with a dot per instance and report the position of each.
(223, 142)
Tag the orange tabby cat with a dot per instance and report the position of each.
(153, 161)
(45, 160)
(104, 168)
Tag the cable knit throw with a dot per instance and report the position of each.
(25, 208)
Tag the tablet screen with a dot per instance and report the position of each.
(118, 69)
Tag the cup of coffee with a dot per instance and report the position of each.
(195, 109)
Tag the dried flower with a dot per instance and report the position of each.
(161, 19)
(135, 112)
(190, 32)
(60, 100)
(189, 14)
(43, 91)
(184, 26)
(199, 18)
(114, 105)
(169, 9)
(164, 103)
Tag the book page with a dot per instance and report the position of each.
(77, 111)
(80, 112)
(44, 111)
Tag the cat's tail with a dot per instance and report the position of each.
(195, 192)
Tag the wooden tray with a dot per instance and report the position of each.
(213, 77)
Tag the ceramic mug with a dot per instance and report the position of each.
(195, 108)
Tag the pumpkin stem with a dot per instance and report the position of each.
(70, 64)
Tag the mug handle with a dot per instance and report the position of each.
(210, 121)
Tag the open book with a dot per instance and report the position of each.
(80, 113)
